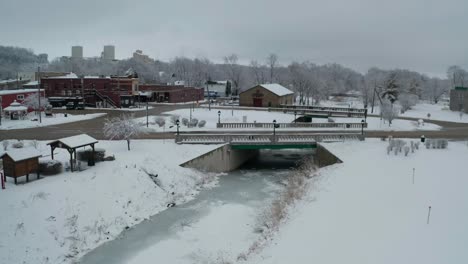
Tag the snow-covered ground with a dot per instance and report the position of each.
(365, 210)
(236, 116)
(58, 218)
(439, 111)
(46, 121)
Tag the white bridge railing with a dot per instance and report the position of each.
(321, 111)
(325, 108)
(292, 125)
(259, 139)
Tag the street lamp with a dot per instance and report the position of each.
(219, 117)
(274, 127)
(177, 124)
(362, 126)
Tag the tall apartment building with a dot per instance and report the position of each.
(108, 53)
(77, 52)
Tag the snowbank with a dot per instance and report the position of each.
(368, 210)
(46, 121)
(59, 218)
(236, 116)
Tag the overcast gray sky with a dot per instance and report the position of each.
(422, 35)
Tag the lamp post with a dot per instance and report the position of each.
(147, 123)
(362, 126)
(177, 124)
(274, 127)
(295, 113)
(219, 117)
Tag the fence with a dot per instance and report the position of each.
(292, 125)
(325, 108)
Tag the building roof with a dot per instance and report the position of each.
(275, 88)
(71, 75)
(15, 106)
(76, 141)
(18, 91)
(32, 83)
(21, 154)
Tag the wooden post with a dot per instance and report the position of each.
(52, 151)
(428, 215)
(71, 159)
(27, 177)
(92, 157)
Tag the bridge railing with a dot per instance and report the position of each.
(324, 113)
(264, 138)
(291, 125)
(325, 108)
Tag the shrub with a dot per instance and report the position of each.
(185, 121)
(18, 144)
(85, 155)
(34, 144)
(174, 119)
(50, 167)
(5, 144)
(193, 122)
(161, 121)
(202, 123)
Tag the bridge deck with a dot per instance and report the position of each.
(265, 139)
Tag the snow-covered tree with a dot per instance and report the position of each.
(32, 101)
(407, 101)
(122, 128)
(388, 111)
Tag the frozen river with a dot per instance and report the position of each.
(181, 232)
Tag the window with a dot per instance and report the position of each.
(78, 91)
(20, 97)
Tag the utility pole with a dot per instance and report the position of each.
(39, 91)
(373, 98)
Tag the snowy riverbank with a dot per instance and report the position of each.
(59, 218)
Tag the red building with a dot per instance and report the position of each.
(9, 96)
(105, 91)
(171, 93)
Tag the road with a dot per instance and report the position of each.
(94, 127)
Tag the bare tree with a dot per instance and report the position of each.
(272, 62)
(258, 72)
(457, 75)
(122, 128)
(233, 71)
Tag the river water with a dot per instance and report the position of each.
(253, 185)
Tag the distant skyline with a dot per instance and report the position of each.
(420, 35)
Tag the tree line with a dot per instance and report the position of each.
(311, 82)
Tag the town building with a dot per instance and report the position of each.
(459, 99)
(77, 52)
(96, 91)
(170, 93)
(218, 88)
(139, 56)
(108, 53)
(7, 97)
(266, 95)
(12, 83)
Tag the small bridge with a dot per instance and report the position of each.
(266, 141)
(325, 108)
(319, 111)
(292, 125)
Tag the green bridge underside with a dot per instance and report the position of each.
(275, 146)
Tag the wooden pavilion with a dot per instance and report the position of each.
(71, 144)
(20, 162)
